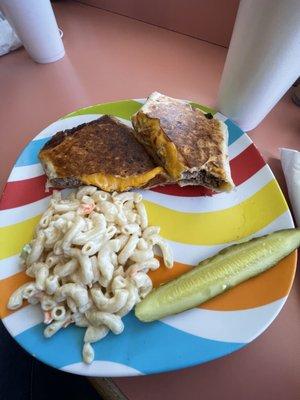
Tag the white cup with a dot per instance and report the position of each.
(35, 24)
(263, 60)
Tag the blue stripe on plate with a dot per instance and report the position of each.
(149, 348)
(234, 132)
(29, 155)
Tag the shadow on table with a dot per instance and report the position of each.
(22, 377)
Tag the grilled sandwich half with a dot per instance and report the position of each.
(192, 148)
(103, 153)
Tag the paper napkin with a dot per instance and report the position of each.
(290, 161)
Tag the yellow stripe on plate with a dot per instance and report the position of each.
(231, 224)
(14, 237)
(205, 229)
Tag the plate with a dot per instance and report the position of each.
(196, 223)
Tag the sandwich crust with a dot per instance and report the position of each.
(103, 152)
(193, 149)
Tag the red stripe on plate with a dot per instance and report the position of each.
(243, 166)
(186, 191)
(19, 193)
(246, 164)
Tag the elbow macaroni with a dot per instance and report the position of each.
(93, 333)
(89, 260)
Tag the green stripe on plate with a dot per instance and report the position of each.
(123, 109)
(203, 108)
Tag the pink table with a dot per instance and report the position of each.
(110, 57)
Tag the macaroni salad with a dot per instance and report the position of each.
(89, 259)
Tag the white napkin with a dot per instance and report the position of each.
(290, 161)
(8, 39)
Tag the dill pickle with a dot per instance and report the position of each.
(213, 276)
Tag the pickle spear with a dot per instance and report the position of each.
(213, 276)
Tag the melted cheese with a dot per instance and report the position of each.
(153, 137)
(112, 183)
(167, 151)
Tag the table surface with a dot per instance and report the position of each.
(110, 57)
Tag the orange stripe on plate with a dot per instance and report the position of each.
(164, 274)
(7, 287)
(263, 289)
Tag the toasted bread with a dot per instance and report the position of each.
(103, 153)
(191, 147)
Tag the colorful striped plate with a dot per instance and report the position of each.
(196, 225)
